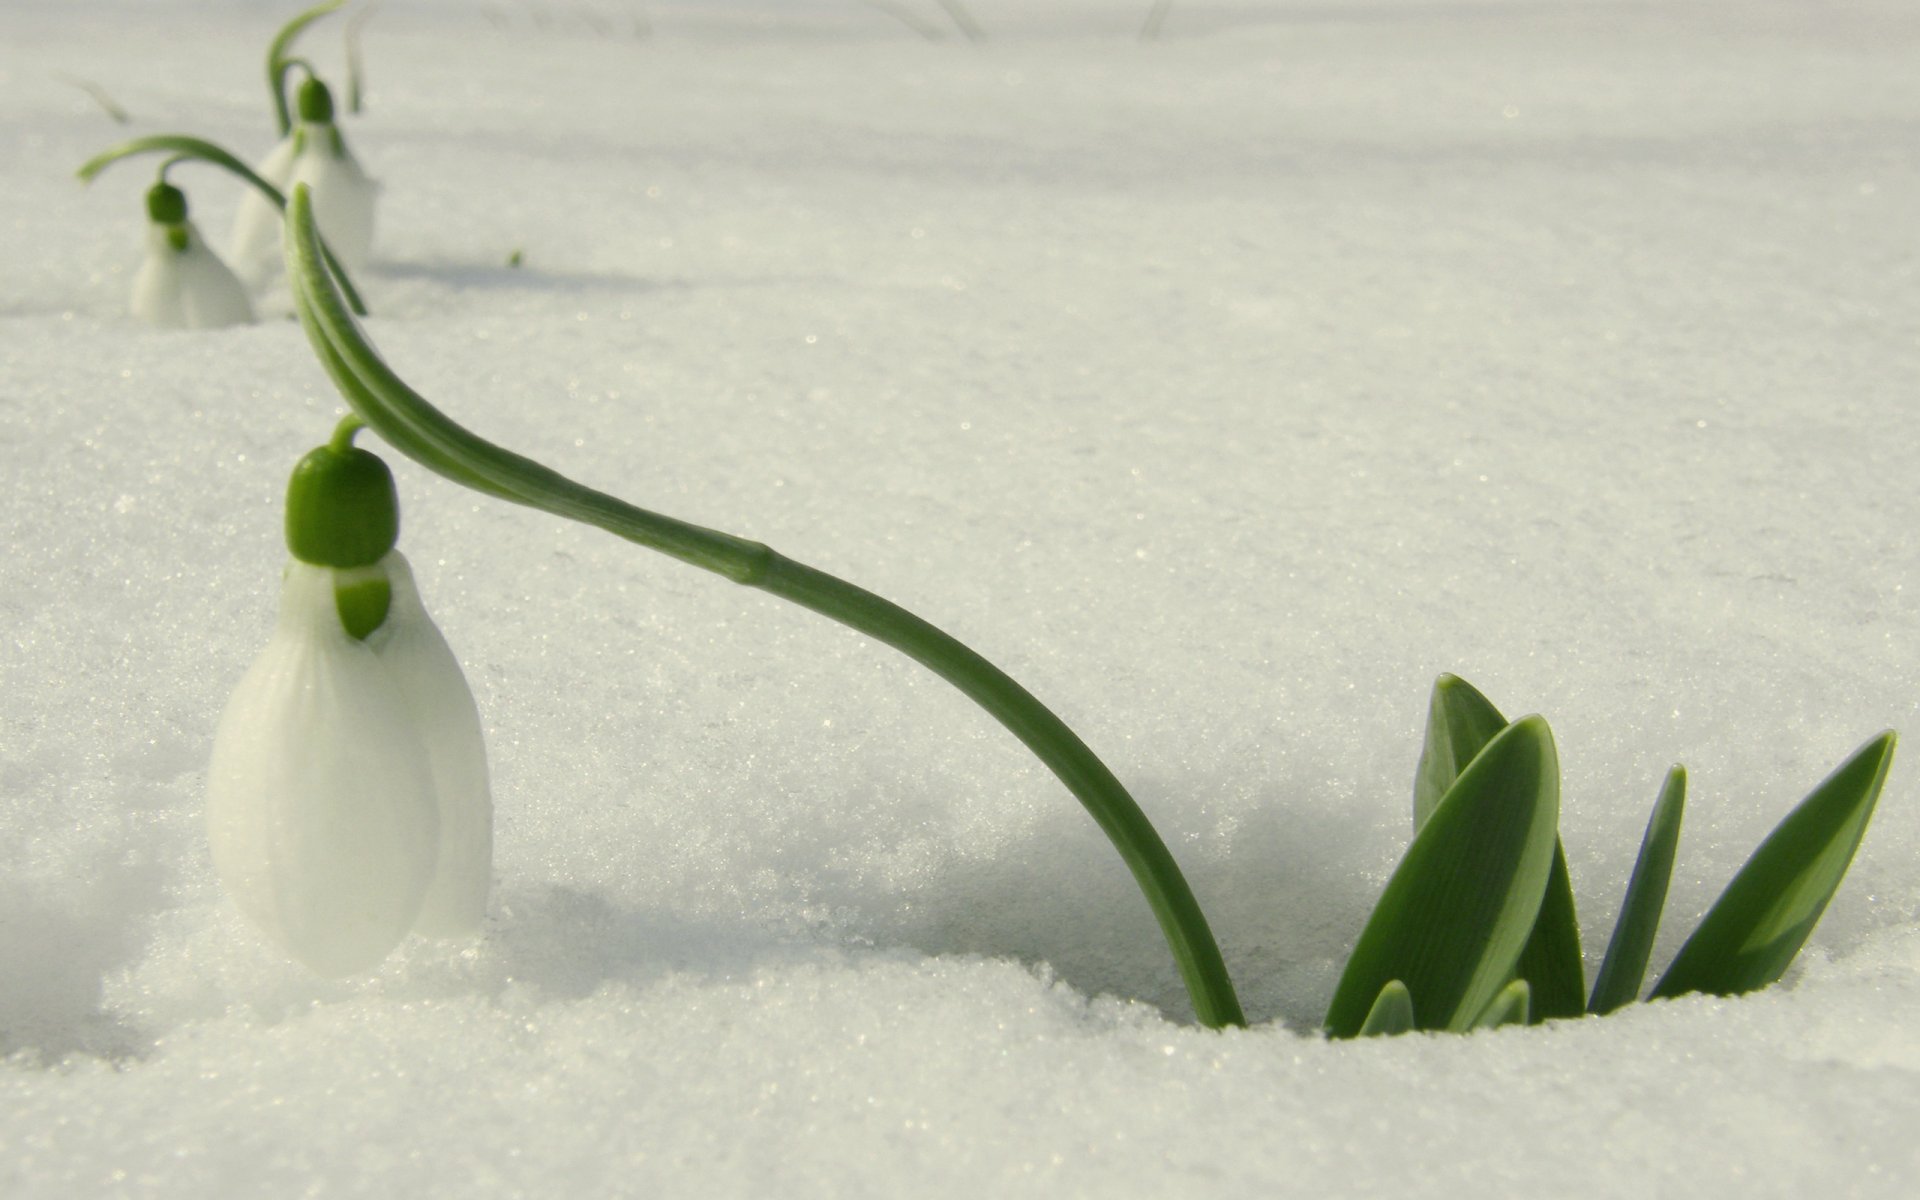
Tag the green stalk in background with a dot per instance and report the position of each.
(280, 60)
(414, 427)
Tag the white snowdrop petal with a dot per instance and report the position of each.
(343, 203)
(343, 200)
(214, 295)
(187, 289)
(320, 806)
(157, 298)
(254, 247)
(435, 690)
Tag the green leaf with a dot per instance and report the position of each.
(1460, 906)
(1511, 1007)
(1392, 1012)
(1625, 966)
(1461, 720)
(1763, 918)
(1550, 961)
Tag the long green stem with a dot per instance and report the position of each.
(413, 426)
(183, 147)
(279, 63)
(1118, 816)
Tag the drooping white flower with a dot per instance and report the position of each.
(315, 154)
(347, 801)
(181, 284)
(321, 806)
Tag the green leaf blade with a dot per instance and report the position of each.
(1757, 926)
(1625, 967)
(1457, 911)
(1550, 963)
(1460, 722)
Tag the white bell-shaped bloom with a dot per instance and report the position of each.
(347, 801)
(181, 284)
(320, 802)
(435, 690)
(343, 198)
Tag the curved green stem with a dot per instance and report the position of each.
(413, 426)
(343, 433)
(279, 63)
(183, 148)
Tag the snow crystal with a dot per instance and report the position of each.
(1224, 388)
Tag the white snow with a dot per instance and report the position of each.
(1224, 389)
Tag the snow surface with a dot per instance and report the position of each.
(1225, 389)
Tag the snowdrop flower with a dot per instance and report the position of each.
(181, 284)
(347, 800)
(315, 154)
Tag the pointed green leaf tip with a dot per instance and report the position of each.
(1753, 931)
(1625, 966)
(1460, 721)
(1460, 906)
(1511, 1007)
(1392, 1012)
(342, 510)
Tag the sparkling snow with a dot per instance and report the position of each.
(1225, 389)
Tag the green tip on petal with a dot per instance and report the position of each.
(166, 204)
(362, 597)
(315, 103)
(342, 510)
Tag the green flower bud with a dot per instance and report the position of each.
(166, 204)
(342, 510)
(315, 103)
